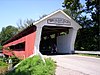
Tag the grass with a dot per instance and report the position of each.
(3, 67)
(1, 59)
(3, 64)
(91, 55)
(35, 66)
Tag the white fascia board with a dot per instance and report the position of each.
(71, 19)
(35, 23)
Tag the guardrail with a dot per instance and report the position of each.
(88, 52)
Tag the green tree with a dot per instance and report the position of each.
(93, 8)
(7, 33)
(88, 36)
(73, 8)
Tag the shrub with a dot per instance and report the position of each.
(3, 64)
(3, 67)
(35, 66)
(15, 60)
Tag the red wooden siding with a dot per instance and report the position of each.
(16, 52)
(29, 45)
(28, 39)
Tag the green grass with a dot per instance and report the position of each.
(1, 59)
(3, 64)
(35, 66)
(3, 67)
(91, 55)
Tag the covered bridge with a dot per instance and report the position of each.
(55, 31)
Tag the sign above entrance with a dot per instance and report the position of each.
(60, 21)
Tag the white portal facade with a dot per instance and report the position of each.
(65, 43)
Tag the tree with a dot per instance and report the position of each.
(93, 8)
(88, 36)
(7, 33)
(24, 24)
(73, 8)
(42, 16)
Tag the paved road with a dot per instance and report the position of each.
(77, 65)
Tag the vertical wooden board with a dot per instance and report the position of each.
(29, 44)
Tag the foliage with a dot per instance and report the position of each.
(73, 8)
(7, 33)
(88, 36)
(1, 47)
(93, 8)
(42, 16)
(15, 60)
(3, 64)
(92, 55)
(35, 66)
(3, 67)
(24, 24)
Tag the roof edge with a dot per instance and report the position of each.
(49, 15)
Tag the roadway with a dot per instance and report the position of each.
(76, 65)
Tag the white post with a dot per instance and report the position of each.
(37, 42)
(38, 38)
(72, 37)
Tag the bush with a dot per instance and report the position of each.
(1, 48)
(3, 64)
(3, 68)
(35, 66)
(15, 60)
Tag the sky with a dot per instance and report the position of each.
(11, 11)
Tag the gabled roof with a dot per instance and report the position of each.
(61, 11)
(19, 35)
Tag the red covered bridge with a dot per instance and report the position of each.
(34, 38)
